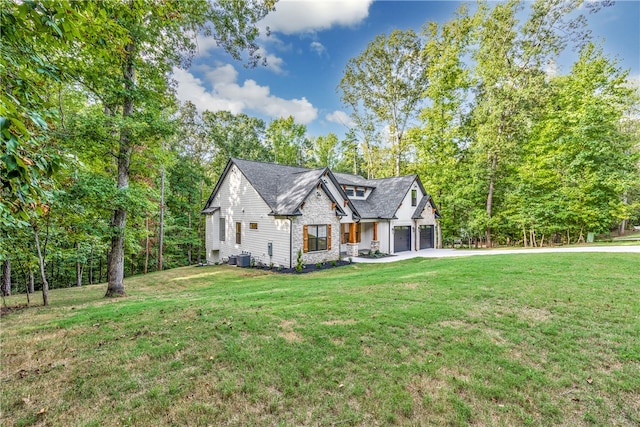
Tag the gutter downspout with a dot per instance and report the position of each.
(389, 227)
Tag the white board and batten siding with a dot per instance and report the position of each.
(240, 203)
(404, 214)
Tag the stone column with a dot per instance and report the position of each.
(352, 250)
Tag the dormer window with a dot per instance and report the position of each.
(356, 192)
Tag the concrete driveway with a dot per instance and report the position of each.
(443, 253)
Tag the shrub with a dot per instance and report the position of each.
(299, 263)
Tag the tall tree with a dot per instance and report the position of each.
(510, 60)
(233, 135)
(132, 82)
(325, 151)
(384, 86)
(442, 139)
(581, 162)
(287, 142)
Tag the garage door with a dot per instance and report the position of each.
(402, 238)
(426, 236)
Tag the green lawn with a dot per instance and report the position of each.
(526, 339)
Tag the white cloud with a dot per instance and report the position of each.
(274, 63)
(318, 48)
(341, 118)
(207, 44)
(299, 16)
(227, 94)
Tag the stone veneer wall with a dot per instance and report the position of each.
(316, 211)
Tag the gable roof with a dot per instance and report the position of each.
(422, 205)
(283, 188)
(386, 197)
(349, 179)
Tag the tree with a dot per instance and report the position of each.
(132, 82)
(581, 161)
(33, 33)
(287, 142)
(384, 86)
(509, 68)
(324, 151)
(442, 138)
(233, 136)
(5, 287)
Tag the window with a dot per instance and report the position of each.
(316, 238)
(414, 197)
(360, 193)
(223, 229)
(349, 191)
(253, 225)
(238, 232)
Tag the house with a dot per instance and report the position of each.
(273, 211)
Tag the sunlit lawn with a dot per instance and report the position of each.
(538, 339)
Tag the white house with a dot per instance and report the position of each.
(273, 211)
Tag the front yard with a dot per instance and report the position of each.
(538, 339)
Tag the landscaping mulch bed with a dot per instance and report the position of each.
(307, 268)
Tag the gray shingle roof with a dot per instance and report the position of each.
(385, 198)
(349, 179)
(284, 188)
(421, 205)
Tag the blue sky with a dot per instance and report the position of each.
(311, 42)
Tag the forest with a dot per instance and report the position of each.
(104, 173)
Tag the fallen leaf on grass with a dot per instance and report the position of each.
(590, 380)
(42, 411)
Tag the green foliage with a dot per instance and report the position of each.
(299, 262)
(233, 135)
(287, 142)
(383, 86)
(324, 151)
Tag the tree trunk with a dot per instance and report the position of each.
(524, 235)
(189, 245)
(6, 277)
(78, 269)
(146, 248)
(31, 282)
(91, 266)
(45, 284)
(492, 178)
(115, 268)
(100, 270)
(161, 232)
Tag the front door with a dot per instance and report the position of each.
(402, 238)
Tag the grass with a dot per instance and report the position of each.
(526, 339)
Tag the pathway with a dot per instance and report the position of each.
(443, 253)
